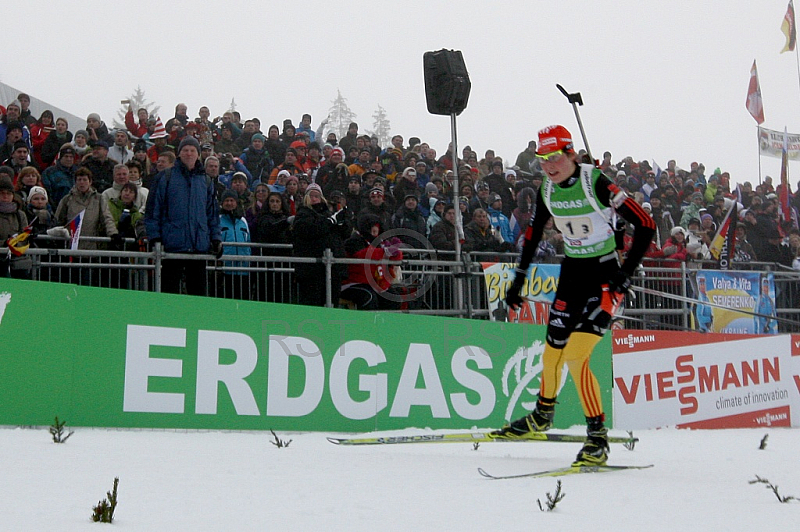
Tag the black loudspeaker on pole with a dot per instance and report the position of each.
(447, 89)
(447, 82)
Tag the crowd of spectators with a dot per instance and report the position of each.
(309, 188)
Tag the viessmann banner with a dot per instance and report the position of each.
(695, 380)
(114, 358)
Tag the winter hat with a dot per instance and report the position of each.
(297, 144)
(258, 136)
(409, 171)
(19, 144)
(82, 133)
(706, 216)
(312, 187)
(37, 190)
(284, 173)
(189, 141)
(431, 187)
(510, 172)
(377, 191)
(338, 150)
(677, 229)
(14, 125)
(554, 138)
(6, 184)
(93, 116)
(229, 194)
(160, 132)
(646, 205)
(66, 150)
(493, 198)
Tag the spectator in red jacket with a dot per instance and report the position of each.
(137, 128)
(40, 130)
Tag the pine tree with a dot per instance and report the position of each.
(381, 127)
(137, 102)
(340, 115)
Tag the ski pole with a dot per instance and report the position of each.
(576, 100)
(694, 301)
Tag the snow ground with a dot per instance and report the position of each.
(221, 481)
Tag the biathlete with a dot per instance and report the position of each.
(592, 284)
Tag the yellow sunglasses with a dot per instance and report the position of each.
(552, 157)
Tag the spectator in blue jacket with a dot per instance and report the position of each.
(234, 228)
(499, 220)
(59, 179)
(182, 213)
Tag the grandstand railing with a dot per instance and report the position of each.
(435, 282)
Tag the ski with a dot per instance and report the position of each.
(571, 470)
(475, 437)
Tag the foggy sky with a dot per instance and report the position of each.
(660, 80)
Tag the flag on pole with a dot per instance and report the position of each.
(783, 192)
(18, 244)
(657, 169)
(74, 227)
(788, 29)
(723, 245)
(754, 104)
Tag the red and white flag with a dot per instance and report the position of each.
(755, 105)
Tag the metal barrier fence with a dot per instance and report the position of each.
(434, 282)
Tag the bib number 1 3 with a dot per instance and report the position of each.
(579, 227)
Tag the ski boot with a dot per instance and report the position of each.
(595, 450)
(540, 420)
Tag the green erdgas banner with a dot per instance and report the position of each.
(115, 358)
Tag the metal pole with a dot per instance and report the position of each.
(459, 299)
(758, 147)
(575, 99)
(157, 264)
(327, 258)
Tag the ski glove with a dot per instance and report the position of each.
(62, 232)
(217, 249)
(117, 242)
(513, 299)
(620, 282)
